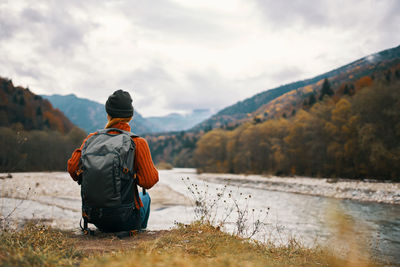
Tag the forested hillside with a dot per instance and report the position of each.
(33, 135)
(349, 136)
(333, 127)
(258, 104)
(20, 107)
(175, 148)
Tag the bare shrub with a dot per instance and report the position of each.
(5, 220)
(222, 207)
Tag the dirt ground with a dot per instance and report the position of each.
(105, 243)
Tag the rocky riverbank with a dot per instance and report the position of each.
(54, 198)
(382, 192)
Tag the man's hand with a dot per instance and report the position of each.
(79, 175)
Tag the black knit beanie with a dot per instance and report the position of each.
(119, 105)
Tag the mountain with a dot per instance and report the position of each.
(242, 110)
(19, 106)
(34, 136)
(178, 122)
(346, 80)
(282, 102)
(91, 116)
(348, 135)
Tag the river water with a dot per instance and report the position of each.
(368, 227)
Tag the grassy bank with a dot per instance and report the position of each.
(186, 245)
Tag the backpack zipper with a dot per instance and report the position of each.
(115, 170)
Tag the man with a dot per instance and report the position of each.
(120, 111)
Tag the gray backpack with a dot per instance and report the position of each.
(109, 187)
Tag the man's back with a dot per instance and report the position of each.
(141, 170)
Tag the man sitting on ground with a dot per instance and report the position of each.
(110, 198)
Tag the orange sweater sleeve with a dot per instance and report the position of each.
(73, 162)
(147, 173)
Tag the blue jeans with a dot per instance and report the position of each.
(123, 218)
(145, 210)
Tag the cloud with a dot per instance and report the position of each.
(32, 15)
(40, 43)
(204, 89)
(151, 88)
(177, 55)
(285, 74)
(390, 23)
(287, 13)
(53, 28)
(173, 20)
(367, 20)
(158, 91)
(8, 25)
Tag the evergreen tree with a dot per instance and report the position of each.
(15, 98)
(22, 101)
(397, 74)
(39, 111)
(311, 100)
(326, 89)
(388, 76)
(346, 90)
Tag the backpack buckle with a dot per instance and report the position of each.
(85, 229)
(85, 216)
(133, 233)
(124, 234)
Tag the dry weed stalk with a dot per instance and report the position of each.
(5, 220)
(220, 208)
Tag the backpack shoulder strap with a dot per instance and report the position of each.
(133, 173)
(132, 135)
(106, 131)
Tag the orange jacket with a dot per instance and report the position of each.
(147, 174)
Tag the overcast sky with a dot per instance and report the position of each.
(178, 55)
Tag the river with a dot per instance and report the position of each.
(374, 227)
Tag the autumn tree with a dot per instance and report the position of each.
(211, 154)
(353, 137)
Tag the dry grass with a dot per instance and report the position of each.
(204, 245)
(187, 245)
(37, 246)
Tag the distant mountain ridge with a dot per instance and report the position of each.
(91, 115)
(178, 122)
(243, 109)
